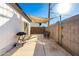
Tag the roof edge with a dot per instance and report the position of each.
(20, 11)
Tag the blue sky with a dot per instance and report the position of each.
(41, 9)
(35, 9)
(74, 10)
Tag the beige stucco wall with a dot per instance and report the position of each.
(70, 32)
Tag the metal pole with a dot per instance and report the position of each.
(49, 13)
(60, 31)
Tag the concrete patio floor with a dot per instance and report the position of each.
(37, 45)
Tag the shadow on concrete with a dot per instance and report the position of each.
(11, 51)
(39, 49)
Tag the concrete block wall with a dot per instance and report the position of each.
(53, 29)
(70, 32)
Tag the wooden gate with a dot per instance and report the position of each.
(37, 30)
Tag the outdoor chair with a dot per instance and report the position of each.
(20, 39)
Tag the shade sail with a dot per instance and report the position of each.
(39, 19)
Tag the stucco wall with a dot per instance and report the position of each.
(70, 32)
(34, 24)
(10, 23)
